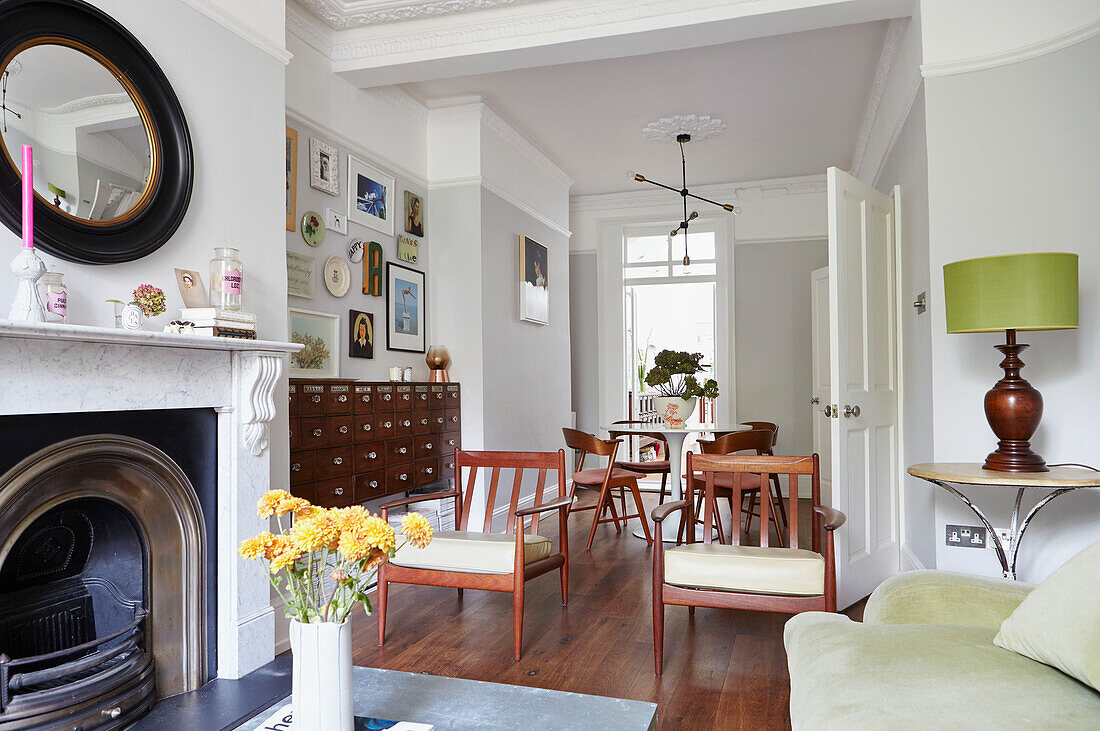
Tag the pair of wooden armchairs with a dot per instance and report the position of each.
(785, 579)
(467, 558)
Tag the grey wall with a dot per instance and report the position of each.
(907, 166)
(773, 331)
(335, 244)
(526, 366)
(1014, 166)
(584, 338)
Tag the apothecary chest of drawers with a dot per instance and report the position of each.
(356, 441)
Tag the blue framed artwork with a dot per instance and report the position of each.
(406, 310)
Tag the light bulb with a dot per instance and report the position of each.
(693, 216)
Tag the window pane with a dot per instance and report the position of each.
(695, 270)
(642, 272)
(640, 249)
(700, 245)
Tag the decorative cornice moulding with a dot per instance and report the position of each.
(1015, 55)
(306, 30)
(240, 28)
(894, 34)
(90, 102)
(340, 14)
(403, 101)
(743, 191)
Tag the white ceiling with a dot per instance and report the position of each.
(792, 105)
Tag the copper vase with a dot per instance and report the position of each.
(438, 359)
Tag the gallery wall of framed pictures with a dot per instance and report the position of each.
(338, 258)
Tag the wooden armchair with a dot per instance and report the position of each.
(759, 578)
(473, 559)
(736, 487)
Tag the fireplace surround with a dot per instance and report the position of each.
(101, 373)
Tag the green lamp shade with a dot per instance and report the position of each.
(1013, 292)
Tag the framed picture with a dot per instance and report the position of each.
(191, 289)
(291, 178)
(369, 193)
(407, 249)
(324, 167)
(534, 284)
(319, 332)
(405, 309)
(336, 221)
(414, 214)
(360, 334)
(299, 275)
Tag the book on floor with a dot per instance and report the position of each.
(283, 720)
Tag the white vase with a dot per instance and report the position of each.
(321, 683)
(674, 410)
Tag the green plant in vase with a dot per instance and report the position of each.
(674, 377)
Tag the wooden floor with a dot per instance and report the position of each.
(723, 669)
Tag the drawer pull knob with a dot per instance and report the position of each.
(374, 483)
(406, 422)
(450, 465)
(372, 455)
(338, 460)
(454, 418)
(316, 432)
(365, 398)
(428, 470)
(428, 445)
(423, 397)
(405, 396)
(343, 430)
(295, 467)
(424, 422)
(402, 476)
(315, 399)
(450, 442)
(386, 397)
(342, 398)
(439, 420)
(402, 450)
(388, 424)
(366, 427)
(454, 395)
(338, 491)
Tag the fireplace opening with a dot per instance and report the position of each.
(102, 584)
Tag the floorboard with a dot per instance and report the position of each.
(724, 669)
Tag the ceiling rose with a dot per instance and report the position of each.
(699, 126)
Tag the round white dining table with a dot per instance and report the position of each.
(675, 439)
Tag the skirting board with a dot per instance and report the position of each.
(909, 560)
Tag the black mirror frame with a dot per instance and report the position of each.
(69, 238)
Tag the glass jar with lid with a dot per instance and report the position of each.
(226, 279)
(54, 295)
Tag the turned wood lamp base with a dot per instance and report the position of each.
(1013, 409)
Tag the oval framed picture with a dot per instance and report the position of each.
(337, 276)
(313, 228)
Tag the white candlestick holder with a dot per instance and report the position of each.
(28, 269)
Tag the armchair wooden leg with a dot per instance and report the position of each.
(517, 618)
(460, 593)
(601, 502)
(658, 605)
(641, 511)
(563, 541)
(383, 595)
(691, 610)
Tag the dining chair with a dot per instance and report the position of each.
(468, 558)
(652, 467)
(605, 480)
(736, 488)
(785, 579)
(778, 494)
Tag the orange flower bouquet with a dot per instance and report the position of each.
(343, 545)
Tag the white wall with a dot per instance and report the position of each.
(774, 337)
(1014, 166)
(583, 337)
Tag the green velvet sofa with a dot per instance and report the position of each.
(924, 658)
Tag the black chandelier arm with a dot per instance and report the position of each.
(661, 185)
(727, 206)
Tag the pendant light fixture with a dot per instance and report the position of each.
(683, 138)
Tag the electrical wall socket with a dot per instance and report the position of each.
(965, 536)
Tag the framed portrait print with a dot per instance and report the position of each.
(291, 178)
(319, 332)
(534, 283)
(324, 167)
(369, 194)
(361, 334)
(405, 309)
(414, 214)
(191, 290)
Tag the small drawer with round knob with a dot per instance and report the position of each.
(454, 418)
(313, 432)
(363, 428)
(362, 398)
(404, 427)
(383, 398)
(426, 446)
(427, 471)
(338, 398)
(399, 450)
(295, 434)
(399, 477)
(369, 457)
(301, 467)
(310, 398)
(340, 430)
(370, 485)
(422, 422)
(334, 493)
(447, 467)
(385, 425)
(450, 442)
(332, 462)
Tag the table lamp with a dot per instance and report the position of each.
(1010, 293)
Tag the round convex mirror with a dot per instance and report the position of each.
(93, 151)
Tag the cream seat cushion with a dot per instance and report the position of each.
(788, 571)
(472, 553)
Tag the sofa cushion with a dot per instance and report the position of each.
(847, 675)
(471, 552)
(1058, 623)
(930, 596)
(788, 571)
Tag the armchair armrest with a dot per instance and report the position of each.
(558, 504)
(417, 499)
(662, 511)
(833, 517)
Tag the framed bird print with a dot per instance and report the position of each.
(405, 309)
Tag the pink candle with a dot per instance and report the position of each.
(28, 197)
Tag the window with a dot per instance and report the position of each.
(656, 256)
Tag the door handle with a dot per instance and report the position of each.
(850, 411)
(831, 411)
(815, 400)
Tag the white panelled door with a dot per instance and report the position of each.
(863, 368)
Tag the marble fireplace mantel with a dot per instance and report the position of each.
(50, 368)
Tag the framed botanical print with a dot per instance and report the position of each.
(291, 178)
(361, 335)
(319, 332)
(406, 312)
(369, 196)
(534, 282)
(324, 167)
